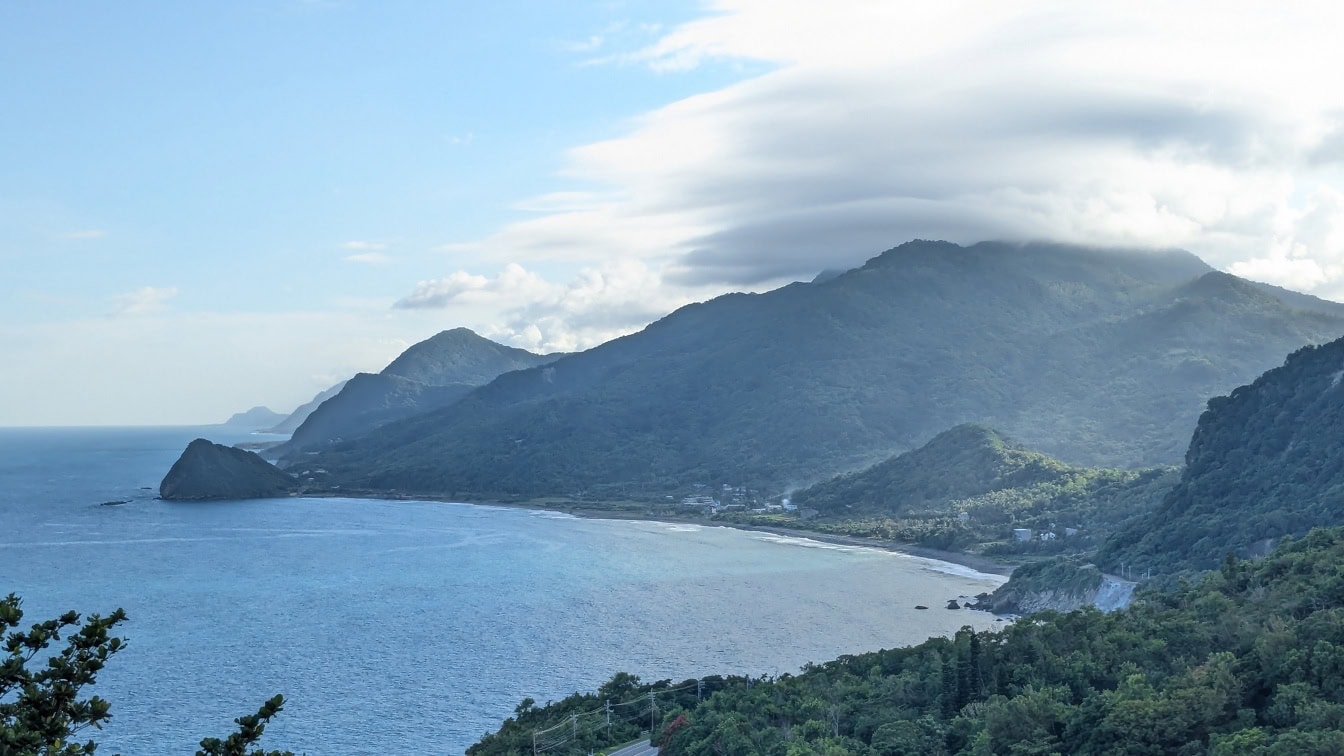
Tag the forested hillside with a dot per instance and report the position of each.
(1248, 661)
(1098, 357)
(1265, 461)
(429, 375)
(970, 487)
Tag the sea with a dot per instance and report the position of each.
(412, 627)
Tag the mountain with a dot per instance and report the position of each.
(429, 375)
(1265, 461)
(460, 356)
(296, 418)
(972, 487)
(213, 471)
(1097, 357)
(367, 401)
(257, 418)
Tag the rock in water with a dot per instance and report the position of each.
(213, 471)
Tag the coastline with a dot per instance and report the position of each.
(962, 559)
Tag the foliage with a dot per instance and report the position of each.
(41, 711)
(250, 728)
(1103, 357)
(970, 486)
(1265, 462)
(1247, 660)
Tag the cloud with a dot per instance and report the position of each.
(85, 233)
(1208, 126)
(591, 44)
(597, 304)
(368, 258)
(512, 283)
(364, 245)
(146, 300)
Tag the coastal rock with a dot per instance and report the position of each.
(953, 604)
(1060, 586)
(213, 471)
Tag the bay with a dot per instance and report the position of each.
(412, 626)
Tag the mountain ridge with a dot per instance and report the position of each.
(923, 337)
(428, 375)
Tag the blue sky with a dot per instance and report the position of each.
(223, 148)
(209, 206)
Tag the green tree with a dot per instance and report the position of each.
(42, 711)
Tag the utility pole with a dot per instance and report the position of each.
(653, 707)
(699, 688)
(573, 725)
(534, 743)
(608, 708)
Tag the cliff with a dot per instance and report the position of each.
(213, 471)
(1060, 586)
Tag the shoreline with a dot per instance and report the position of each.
(961, 559)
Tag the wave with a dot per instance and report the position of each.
(811, 544)
(952, 568)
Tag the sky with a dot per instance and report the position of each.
(210, 206)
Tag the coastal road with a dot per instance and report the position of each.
(642, 748)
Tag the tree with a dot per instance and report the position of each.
(41, 710)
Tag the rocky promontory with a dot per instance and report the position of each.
(208, 470)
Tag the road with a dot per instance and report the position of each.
(642, 748)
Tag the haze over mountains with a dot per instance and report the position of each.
(294, 419)
(1097, 357)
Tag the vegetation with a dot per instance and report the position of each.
(431, 374)
(970, 487)
(1265, 462)
(1248, 660)
(41, 710)
(1100, 357)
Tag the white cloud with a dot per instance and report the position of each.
(82, 234)
(591, 44)
(364, 245)
(146, 300)
(520, 307)
(1211, 126)
(369, 258)
(513, 283)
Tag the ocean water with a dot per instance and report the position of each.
(412, 627)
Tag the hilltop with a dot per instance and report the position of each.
(431, 374)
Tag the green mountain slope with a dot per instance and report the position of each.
(971, 487)
(429, 375)
(1265, 461)
(1093, 356)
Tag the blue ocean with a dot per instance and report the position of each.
(411, 627)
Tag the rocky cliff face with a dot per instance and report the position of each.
(1058, 586)
(213, 471)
